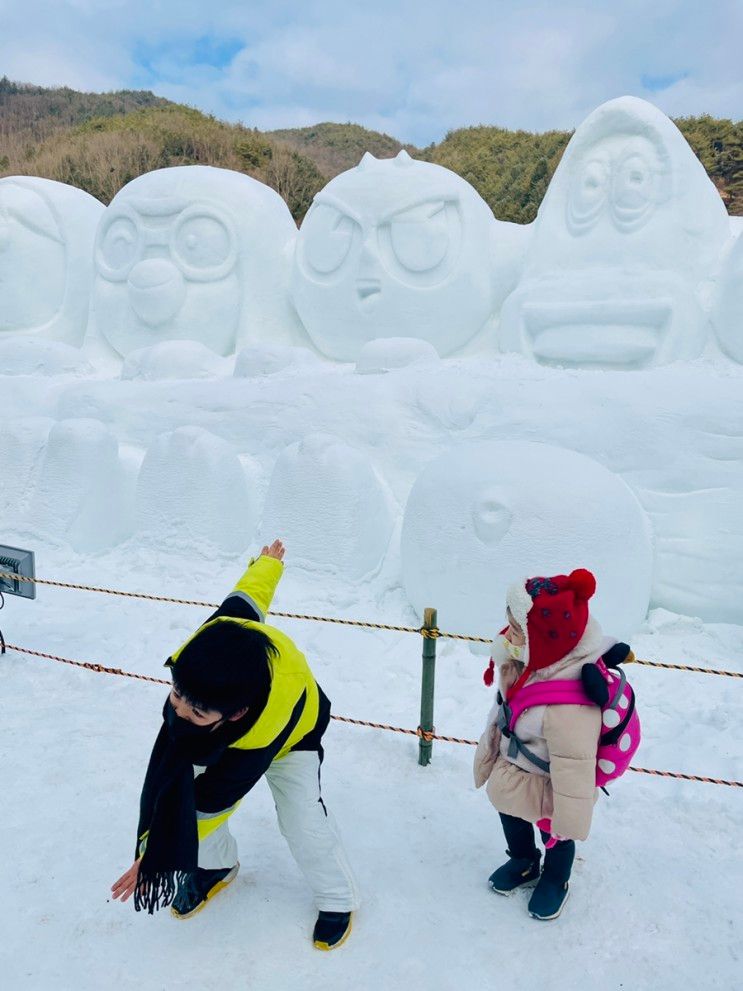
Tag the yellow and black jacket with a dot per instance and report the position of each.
(294, 717)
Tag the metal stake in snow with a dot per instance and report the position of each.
(426, 730)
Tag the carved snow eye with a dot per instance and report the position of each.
(633, 193)
(327, 238)
(587, 195)
(119, 247)
(491, 518)
(420, 243)
(203, 245)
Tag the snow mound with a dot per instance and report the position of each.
(192, 491)
(82, 497)
(727, 311)
(394, 352)
(22, 445)
(267, 359)
(174, 360)
(481, 517)
(35, 356)
(327, 502)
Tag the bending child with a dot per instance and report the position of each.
(244, 705)
(540, 760)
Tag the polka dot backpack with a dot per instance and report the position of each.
(603, 684)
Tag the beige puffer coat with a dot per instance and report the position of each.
(565, 735)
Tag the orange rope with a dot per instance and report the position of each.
(419, 732)
(423, 631)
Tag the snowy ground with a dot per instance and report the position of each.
(656, 889)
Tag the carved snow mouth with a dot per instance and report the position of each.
(601, 332)
(368, 289)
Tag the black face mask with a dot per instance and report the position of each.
(183, 731)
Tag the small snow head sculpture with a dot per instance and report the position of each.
(193, 253)
(629, 228)
(394, 248)
(46, 246)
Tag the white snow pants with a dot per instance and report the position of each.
(308, 828)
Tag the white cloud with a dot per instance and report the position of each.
(415, 68)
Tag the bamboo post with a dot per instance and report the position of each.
(428, 677)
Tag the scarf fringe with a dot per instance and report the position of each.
(157, 890)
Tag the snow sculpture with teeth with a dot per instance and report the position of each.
(401, 248)
(47, 231)
(629, 228)
(515, 507)
(194, 253)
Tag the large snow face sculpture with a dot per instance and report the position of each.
(328, 503)
(483, 516)
(727, 309)
(194, 253)
(629, 228)
(47, 231)
(395, 248)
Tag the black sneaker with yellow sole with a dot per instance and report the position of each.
(332, 929)
(198, 888)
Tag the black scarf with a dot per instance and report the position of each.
(167, 807)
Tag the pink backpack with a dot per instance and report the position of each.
(599, 685)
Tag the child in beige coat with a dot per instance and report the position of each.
(550, 635)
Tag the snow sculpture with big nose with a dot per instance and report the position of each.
(47, 231)
(194, 253)
(630, 229)
(400, 248)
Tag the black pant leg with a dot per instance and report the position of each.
(520, 837)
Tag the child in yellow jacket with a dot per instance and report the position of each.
(244, 705)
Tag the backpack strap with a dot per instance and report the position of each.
(558, 692)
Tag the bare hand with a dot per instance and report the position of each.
(276, 550)
(124, 887)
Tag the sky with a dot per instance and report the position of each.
(414, 69)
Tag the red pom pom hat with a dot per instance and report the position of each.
(553, 612)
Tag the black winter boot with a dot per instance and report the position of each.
(552, 891)
(515, 873)
(198, 888)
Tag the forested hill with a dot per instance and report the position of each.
(99, 142)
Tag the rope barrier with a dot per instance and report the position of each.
(419, 732)
(432, 634)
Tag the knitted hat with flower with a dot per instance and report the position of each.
(553, 612)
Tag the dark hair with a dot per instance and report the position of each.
(226, 667)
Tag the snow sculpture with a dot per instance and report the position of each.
(327, 501)
(398, 248)
(480, 517)
(727, 310)
(192, 493)
(82, 497)
(629, 228)
(194, 253)
(47, 231)
(387, 353)
(268, 359)
(20, 355)
(174, 360)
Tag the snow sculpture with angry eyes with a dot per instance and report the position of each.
(401, 248)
